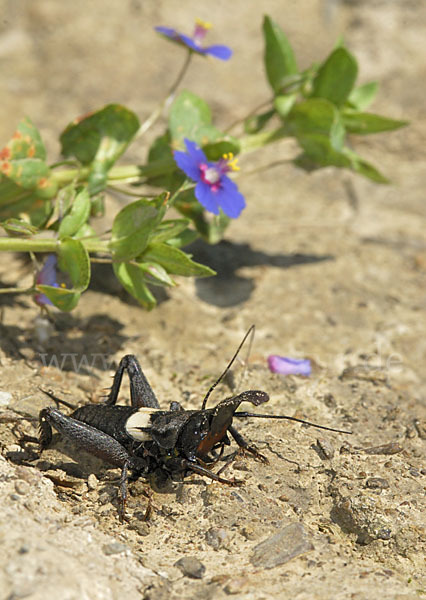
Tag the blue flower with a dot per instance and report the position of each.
(214, 189)
(289, 366)
(47, 276)
(194, 43)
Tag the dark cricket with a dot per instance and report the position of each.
(145, 440)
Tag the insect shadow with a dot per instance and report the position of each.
(145, 440)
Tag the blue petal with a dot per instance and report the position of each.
(222, 52)
(41, 299)
(195, 152)
(229, 198)
(187, 164)
(47, 275)
(167, 31)
(289, 366)
(206, 197)
(190, 43)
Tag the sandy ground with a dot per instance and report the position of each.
(329, 266)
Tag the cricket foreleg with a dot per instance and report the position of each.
(245, 446)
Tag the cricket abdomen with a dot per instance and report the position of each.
(109, 419)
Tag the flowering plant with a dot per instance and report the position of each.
(53, 208)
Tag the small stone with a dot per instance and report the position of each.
(114, 548)
(22, 487)
(141, 527)
(92, 482)
(5, 398)
(325, 448)
(377, 483)
(43, 330)
(364, 373)
(236, 586)
(280, 548)
(420, 426)
(248, 532)
(391, 448)
(104, 498)
(190, 566)
(216, 537)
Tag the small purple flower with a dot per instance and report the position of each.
(289, 366)
(214, 189)
(47, 276)
(194, 43)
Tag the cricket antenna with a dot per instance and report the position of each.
(56, 399)
(243, 415)
(250, 331)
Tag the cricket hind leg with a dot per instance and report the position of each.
(91, 440)
(141, 393)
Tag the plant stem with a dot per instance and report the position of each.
(257, 140)
(123, 173)
(156, 114)
(264, 104)
(9, 244)
(15, 290)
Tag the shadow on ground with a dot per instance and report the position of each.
(229, 288)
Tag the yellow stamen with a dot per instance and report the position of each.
(203, 24)
(63, 286)
(232, 162)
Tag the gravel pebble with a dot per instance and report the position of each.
(5, 398)
(281, 547)
(326, 449)
(92, 482)
(375, 483)
(190, 566)
(114, 548)
(216, 537)
(22, 487)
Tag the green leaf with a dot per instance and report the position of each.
(336, 77)
(279, 57)
(316, 116)
(284, 104)
(160, 152)
(169, 229)
(19, 227)
(190, 117)
(183, 239)
(365, 168)
(366, 123)
(256, 123)
(26, 142)
(86, 231)
(175, 261)
(216, 150)
(131, 278)
(156, 274)
(100, 138)
(133, 226)
(73, 259)
(319, 152)
(362, 96)
(77, 216)
(22, 161)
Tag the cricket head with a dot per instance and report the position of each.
(219, 419)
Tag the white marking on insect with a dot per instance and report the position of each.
(138, 425)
